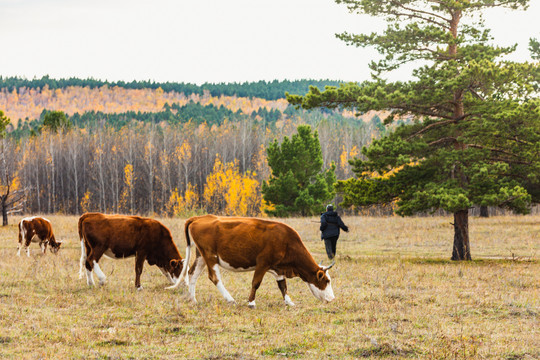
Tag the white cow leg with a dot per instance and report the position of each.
(199, 266)
(28, 251)
(82, 261)
(220, 286)
(101, 276)
(19, 250)
(89, 278)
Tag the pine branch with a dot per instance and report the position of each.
(413, 15)
(443, 140)
(477, 146)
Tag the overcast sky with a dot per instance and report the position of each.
(203, 40)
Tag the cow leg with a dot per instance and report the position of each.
(139, 262)
(43, 246)
(282, 285)
(27, 242)
(215, 276)
(83, 259)
(92, 264)
(255, 283)
(194, 273)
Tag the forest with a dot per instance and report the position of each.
(268, 90)
(136, 150)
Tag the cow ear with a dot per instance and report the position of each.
(320, 275)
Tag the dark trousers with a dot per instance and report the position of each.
(330, 244)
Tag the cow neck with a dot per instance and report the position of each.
(306, 265)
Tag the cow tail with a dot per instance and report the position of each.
(185, 268)
(80, 227)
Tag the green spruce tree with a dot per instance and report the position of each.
(298, 185)
(56, 120)
(475, 138)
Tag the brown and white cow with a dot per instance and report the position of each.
(122, 236)
(36, 229)
(250, 244)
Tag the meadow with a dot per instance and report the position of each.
(397, 296)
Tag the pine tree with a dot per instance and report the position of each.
(298, 185)
(475, 136)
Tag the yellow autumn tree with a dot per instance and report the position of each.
(184, 206)
(229, 192)
(126, 199)
(86, 201)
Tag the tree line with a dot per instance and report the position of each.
(269, 90)
(161, 168)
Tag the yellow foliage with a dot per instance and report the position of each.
(128, 175)
(229, 192)
(183, 152)
(85, 201)
(343, 159)
(15, 184)
(186, 205)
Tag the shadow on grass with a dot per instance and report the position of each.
(383, 350)
(114, 342)
(478, 261)
(289, 351)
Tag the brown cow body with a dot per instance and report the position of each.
(250, 244)
(39, 230)
(122, 236)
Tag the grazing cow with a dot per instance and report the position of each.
(121, 236)
(36, 229)
(250, 244)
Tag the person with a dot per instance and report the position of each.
(330, 225)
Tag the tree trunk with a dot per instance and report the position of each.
(4, 211)
(484, 212)
(462, 250)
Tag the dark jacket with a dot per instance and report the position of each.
(330, 224)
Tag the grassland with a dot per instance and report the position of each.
(397, 296)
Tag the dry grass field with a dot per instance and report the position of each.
(397, 296)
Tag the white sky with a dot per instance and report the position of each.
(203, 40)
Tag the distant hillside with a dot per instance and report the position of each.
(22, 103)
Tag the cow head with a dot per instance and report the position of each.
(55, 246)
(175, 268)
(321, 285)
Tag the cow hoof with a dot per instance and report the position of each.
(251, 304)
(288, 301)
(139, 288)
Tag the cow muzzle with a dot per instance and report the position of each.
(326, 295)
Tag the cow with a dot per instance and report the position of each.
(37, 229)
(122, 236)
(250, 244)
